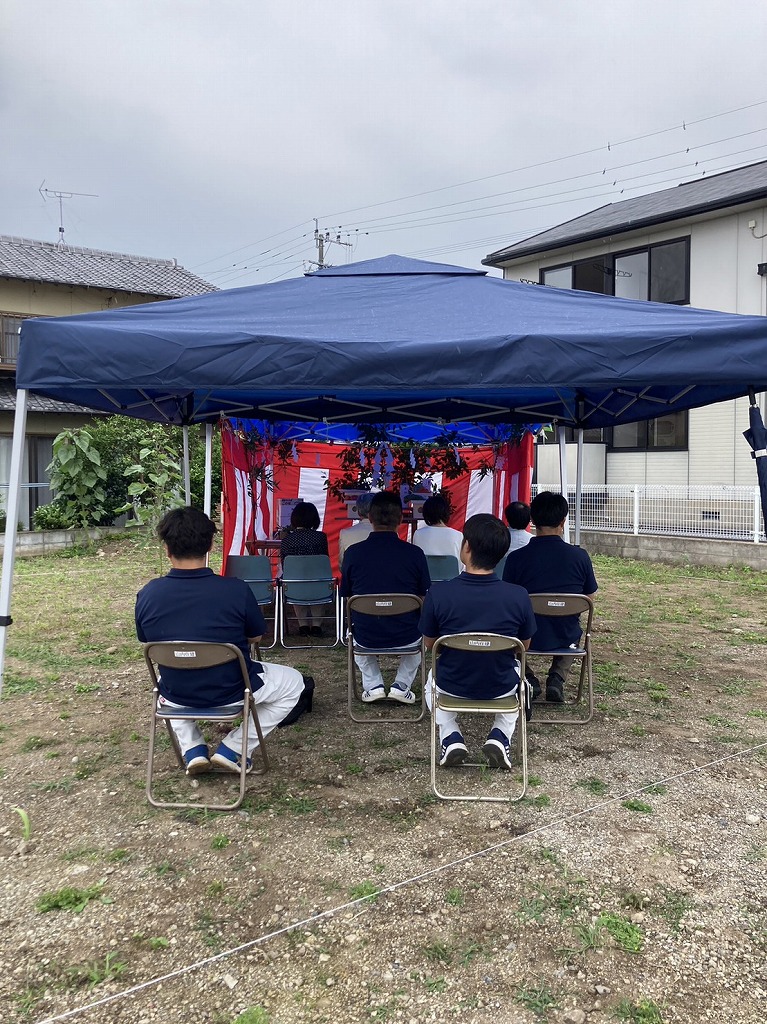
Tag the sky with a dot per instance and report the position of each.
(216, 131)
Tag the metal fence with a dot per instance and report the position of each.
(722, 513)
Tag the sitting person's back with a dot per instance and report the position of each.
(436, 537)
(549, 565)
(477, 601)
(517, 515)
(360, 531)
(306, 538)
(384, 564)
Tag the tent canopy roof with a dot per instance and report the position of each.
(396, 340)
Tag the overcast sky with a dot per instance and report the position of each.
(214, 131)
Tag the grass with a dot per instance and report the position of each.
(643, 1012)
(438, 952)
(368, 891)
(69, 898)
(538, 1000)
(454, 898)
(220, 841)
(94, 972)
(637, 805)
(627, 936)
(594, 786)
(253, 1015)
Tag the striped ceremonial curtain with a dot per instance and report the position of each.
(252, 488)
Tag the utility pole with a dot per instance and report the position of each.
(61, 196)
(323, 239)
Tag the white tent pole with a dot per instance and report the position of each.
(563, 473)
(578, 487)
(11, 521)
(208, 468)
(187, 477)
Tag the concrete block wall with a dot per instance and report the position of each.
(676, 550)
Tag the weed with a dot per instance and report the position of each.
(643, 1012)
(627, 935)
(365, 890)
(538, 802)
(88, 766)
(637, 805)
(608, 679)
(638, 730)
(589, 937)
(538, 1000)
(757, 713)
(532, 908)
(220, 841)
(721, 722)
(547, 854)
(87, 687)
(116, 856)
(69, 898)
(207, 926)
(164, 868)
(94, 972)
(354, 769)
(253, 1015)
(454, 897)
(675, 905)
(633, 900)
(36, 743)
(435, 984)
(534, 780)
(26, 825)
(14, 685)
(594, 785)
(216, 888)
(655, 789)
(658, 692)
(438, 953)
(756, 853)
(471, 952)
(158, 942)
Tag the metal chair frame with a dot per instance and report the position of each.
(479, 643)
(381, 604)
(256, 571)
(557, 605)
(443, 567)
(191, 655)
(293, 590)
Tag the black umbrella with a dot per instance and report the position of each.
(756, 435)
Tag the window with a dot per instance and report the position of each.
(660, 273)
(10, 326)
(590, 435)
(666, 433)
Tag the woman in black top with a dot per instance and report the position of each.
(305, 538)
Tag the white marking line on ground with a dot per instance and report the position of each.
(398, 885)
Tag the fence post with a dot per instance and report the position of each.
(636, 509)
(757, 515)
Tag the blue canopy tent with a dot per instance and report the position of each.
(391, 340)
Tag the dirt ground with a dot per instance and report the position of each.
(629, 885)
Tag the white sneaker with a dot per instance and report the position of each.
(403, 696)
(377, 693)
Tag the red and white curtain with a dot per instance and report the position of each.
(253, 485)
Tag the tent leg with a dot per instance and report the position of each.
(561, 435)
(208, 468)
(187, 477)
(579, 487)
(11, 520)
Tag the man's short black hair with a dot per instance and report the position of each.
(517, 515)
(549, 509)
(386, 510)
(186, 532)
(488, 539)
(435, 510)
(305, 516)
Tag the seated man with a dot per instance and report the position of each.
(193, 603)
(436, 537)
(518, 517)
(360, 531)
(384, 564)
(477, 601)
(548, 565)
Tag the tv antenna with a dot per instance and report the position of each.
(61, 195)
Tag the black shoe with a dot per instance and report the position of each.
(555, 690)
(534, 683)
(316, 630)
(303, 704)
(303, 631)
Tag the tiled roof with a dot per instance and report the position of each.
(745, 184)
(93, 268)
(37, 403)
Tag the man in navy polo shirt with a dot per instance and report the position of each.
(384, 564)
(477, 601)
(193, 603)
(549, 565)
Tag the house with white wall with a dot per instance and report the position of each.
(702, 243)
(45, 279)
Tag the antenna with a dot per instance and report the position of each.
(61, 195)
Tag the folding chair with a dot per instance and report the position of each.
(381, 604)
(443, 567)
(256, 570)
(557, 605)
(307, 581)
(479, 643)
(191, 655)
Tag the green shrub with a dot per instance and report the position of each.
(50, 517)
